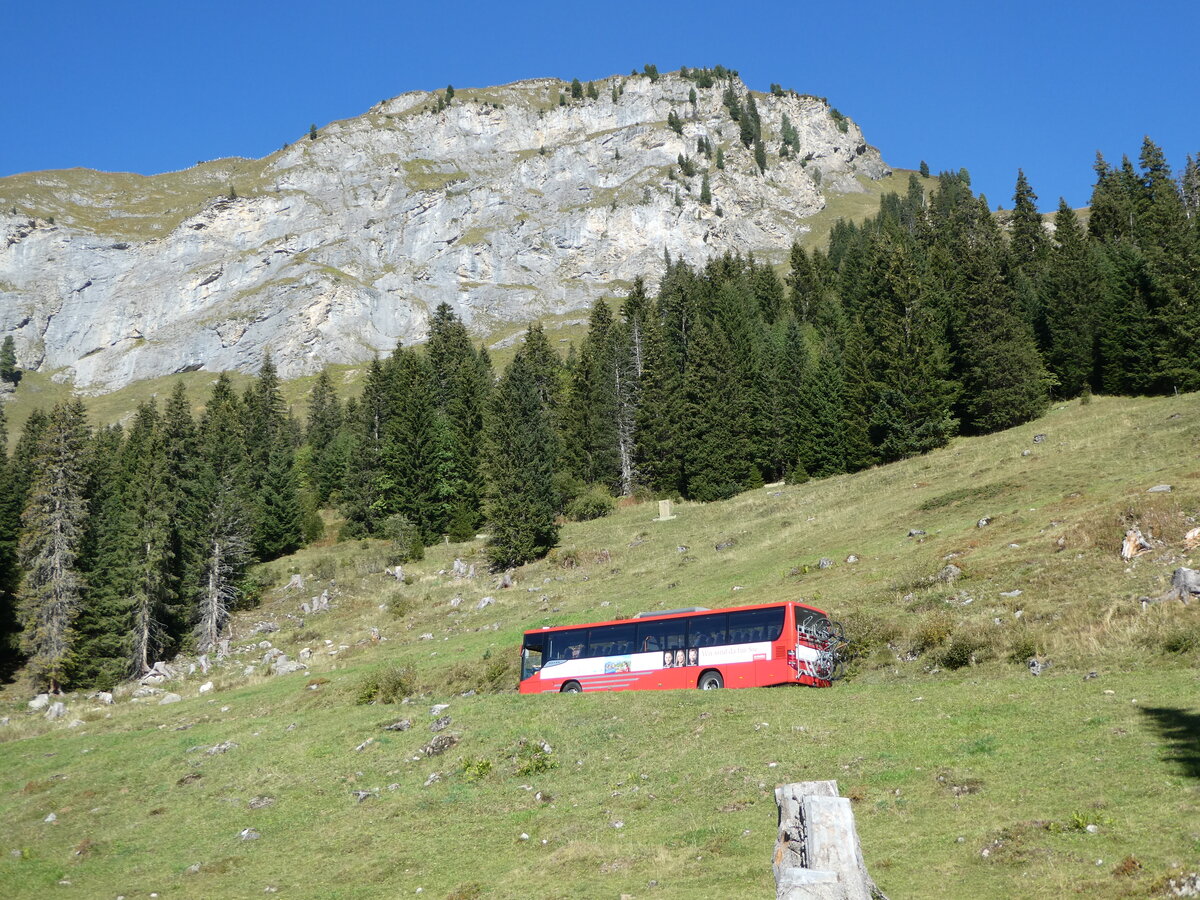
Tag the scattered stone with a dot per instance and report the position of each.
(523, 836)
(169, 698)
(285, 666)
(459, 569)
(223, 747)
(455, 602)
(851, 559)
(76, 723)
(1185, 582)
(485, 602)
(1191, 540)
(193, 869)
(319, 604)
(438, 708)
(825, 563)
(506, 580)
(427, 636)
(948, 574)
(1159, 489)
(725, 544)
(56, 710)
(264, 628)
(1027, 452)
(984, 522)
(394, 786)
(1013, 593)
(433, 778)
(40, 702)
(1090, 675)
(440, 724)
(190, 778)
(1038, 666)
(1092, 829)
(206, 687)
(306, 653)
(264, 645)
(364, 745)
(249, 834)
(52, 818)
(248, 671)
(1039, 438)
(360, 796)
(440, 744)
(915, 532)
(682, 548)
(202, 661)
(402, 725)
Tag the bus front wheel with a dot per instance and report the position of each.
(572, 687)
(711, 681)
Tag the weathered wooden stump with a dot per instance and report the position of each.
(817, 853)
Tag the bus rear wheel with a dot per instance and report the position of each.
(711, 681)
(572, 687)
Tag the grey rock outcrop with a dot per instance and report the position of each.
(505, 205)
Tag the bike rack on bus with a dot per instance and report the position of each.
(829, 640)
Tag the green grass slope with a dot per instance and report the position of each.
(969, 777)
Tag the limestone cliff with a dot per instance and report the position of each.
(505, 204)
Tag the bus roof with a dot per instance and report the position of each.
(670, 614)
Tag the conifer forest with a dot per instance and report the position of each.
(123, 545)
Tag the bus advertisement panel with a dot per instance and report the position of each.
(748, 646)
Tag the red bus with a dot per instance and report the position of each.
(746, 646)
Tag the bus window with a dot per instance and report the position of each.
(566, 645)
(666, 634)
(611, 640)
(750, 626)
(531, 658)
(707, 631)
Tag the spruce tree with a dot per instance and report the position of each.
(8, 360)
(1029, 244)
(521, 458)
(1004, 382)
(1069, 288)
(328, 454)
(52, 526)
(225, 526)
(10, 525)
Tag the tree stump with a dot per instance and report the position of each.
(817, 853)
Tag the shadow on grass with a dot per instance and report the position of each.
(1181, 729)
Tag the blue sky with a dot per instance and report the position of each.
(156, 85)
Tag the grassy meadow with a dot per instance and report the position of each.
(970, 778)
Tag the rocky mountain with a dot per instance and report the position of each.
(508, 203)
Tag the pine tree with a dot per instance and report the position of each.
(225, 524)
(278, 521)
(10, 525)
(101, 655)
(1029, 244)
(924, 169)
(52, 526)
(705, 191)
(590, 442)
(521, 457)
(327, 454)
(576, 89)
(8, 361)
(150, 558)
(1069, 289)
(1004, 382)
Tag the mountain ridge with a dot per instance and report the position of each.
(507, 202)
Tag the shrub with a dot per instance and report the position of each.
(325, 568)
(932, 631)
(1022, 648)
(386, 685)
(1182, 640)
(533, 758)
(407, 543)
(962, 651)
(594, 503)
(476, 769)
